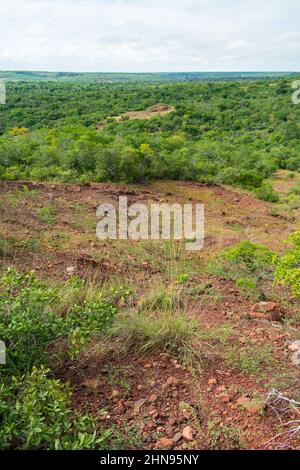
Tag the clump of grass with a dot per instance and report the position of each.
(172, 332)
(162, 298)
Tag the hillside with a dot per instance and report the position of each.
(162, 348)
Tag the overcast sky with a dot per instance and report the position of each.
(149, 35)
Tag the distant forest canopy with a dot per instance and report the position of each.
(141, 77)
(236, 133)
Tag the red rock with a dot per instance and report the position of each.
(153, 398)
(212, 382)
(150, 425)
(188, 433)
(172, 382)
(270, 310)
(252, 406)
(177, 437)
(242, 401)
(222, 388)
(164, 444)
(225, 398)
(258, 316)
(138, 404)
(264, 307)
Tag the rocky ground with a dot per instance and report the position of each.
(157, 400)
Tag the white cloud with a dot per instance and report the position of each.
(149, 35)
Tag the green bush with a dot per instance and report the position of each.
(36, 324)
(288, 266)
(250, 257)
(30, 321)
(36, 413)
(267, 193)
(250, 265)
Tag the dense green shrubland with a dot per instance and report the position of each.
(232, 133)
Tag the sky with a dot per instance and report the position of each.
(150, 35)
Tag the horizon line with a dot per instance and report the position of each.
(148, 72)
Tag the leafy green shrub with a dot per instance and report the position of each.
(253, 255)
(30, 322)
(241, 177)
(267, 193)
(36, 413)
(288, 266)
(247, 264)
(248, 257)
(35, 323)
(295, 190)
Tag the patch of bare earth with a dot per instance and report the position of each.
(159, 109)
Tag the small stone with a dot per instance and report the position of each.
(169, 431)
(172, 382)
(252, 406)
(177, 437)
(296, 358)
(188, 433)
(212, 382)
(119, 408)
(147, 366)
(264, 307)
(115, 393)
(164, 443)
(139, 404)
(222, 388)
(70, 270)
(153, 398)
(295, 346)
(269, 310)
(150, 425)
(225, 398)
(242, 401)
(258, 316)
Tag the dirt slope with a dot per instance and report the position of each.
(152, 399)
